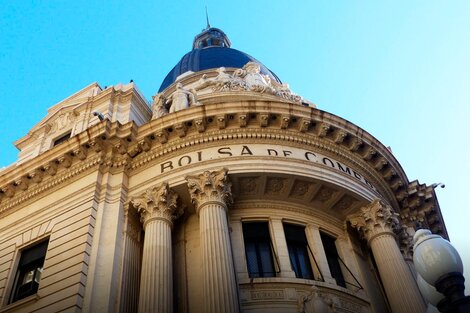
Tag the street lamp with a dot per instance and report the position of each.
(439, 264)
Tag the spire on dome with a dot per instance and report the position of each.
(207, 19)
(211, 37)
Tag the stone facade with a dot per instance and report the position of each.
(147, 209)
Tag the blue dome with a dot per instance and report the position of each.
(211, 56)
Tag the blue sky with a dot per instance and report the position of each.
(398, 69)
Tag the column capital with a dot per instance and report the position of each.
(210, 186)
(159, 202)
(375, 219)
(406, 243)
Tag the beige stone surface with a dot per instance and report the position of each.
(284, 162)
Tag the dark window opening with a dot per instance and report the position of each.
(333, 259)
(298, 251)
(259, 256)
(29, 271)
(61, 139)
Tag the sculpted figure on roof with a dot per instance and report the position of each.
(248, 78)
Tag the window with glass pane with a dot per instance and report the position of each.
(259, 257)
(298, 251)
(29, 271)
(333, 258)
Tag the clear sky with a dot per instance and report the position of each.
(398, 69)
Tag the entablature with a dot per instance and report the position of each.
(132, 148)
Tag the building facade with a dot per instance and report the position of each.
(229, 193)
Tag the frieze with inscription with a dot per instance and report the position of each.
(262, 150)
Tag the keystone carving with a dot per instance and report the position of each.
(285, 119)
(339, 136)
(263, 120)
(200, 124)
(243, 119)
(355, 144)
(322, 129)
(35, 176)
(80, 152)
(304, 125)
(180, 129)
(162, 136)
(374, 219)
(158, 203)
(369, 153)
(210, 186)
(221, 121)
(21, 184)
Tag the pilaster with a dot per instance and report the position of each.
(281, 248)
(315, 243)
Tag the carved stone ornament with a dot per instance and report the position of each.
(210, 186)
(315, 302)
(406, 243)
(159, 108)
(158, 203)
(61, 122)
(248, 78)
(374, 219)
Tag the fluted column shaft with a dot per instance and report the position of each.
(211, 193)
(399, 283)
(220, 289)
(156, 287)
(158, 209)
(378, 224)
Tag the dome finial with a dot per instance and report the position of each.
(207, 20)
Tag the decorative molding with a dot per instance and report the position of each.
(15, 199)
(213, 136)
(158, 203)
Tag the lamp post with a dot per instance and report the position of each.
(439, 264)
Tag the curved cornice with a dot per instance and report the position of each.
(229, 116)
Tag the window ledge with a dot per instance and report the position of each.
(20, 303)
(300, 281)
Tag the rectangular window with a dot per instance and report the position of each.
(259, 256)
(61, 139)
(29, 271)
(333, 258)
(298, 251)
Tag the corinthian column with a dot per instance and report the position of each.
(158, 209)
(211, 194)
(377, 223)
